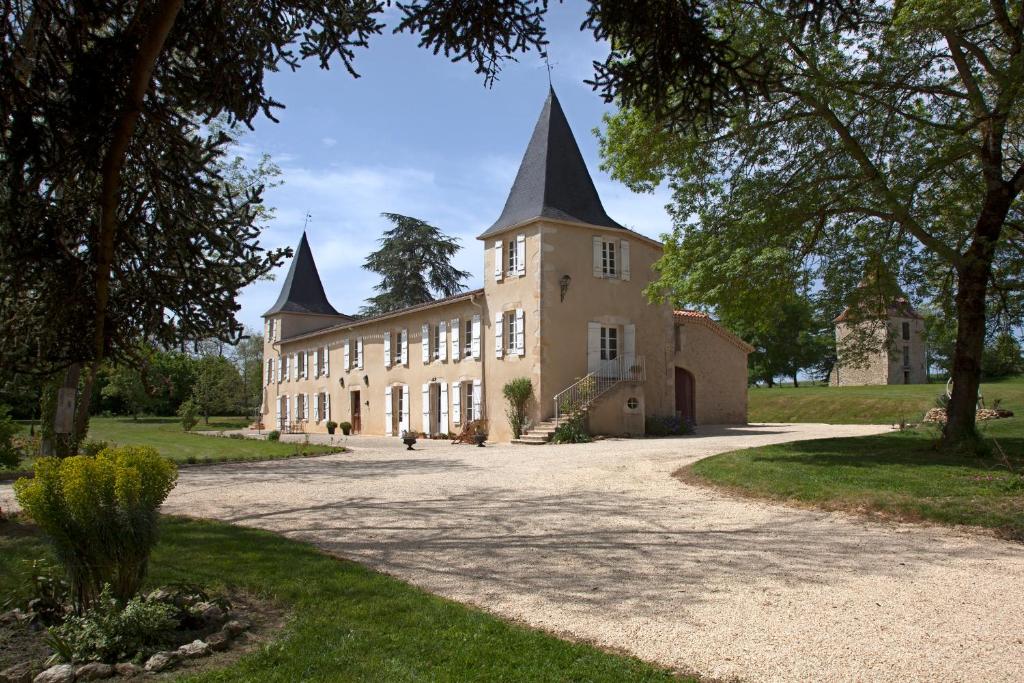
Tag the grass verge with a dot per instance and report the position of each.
(865, 405)
(349, 623)
(166, 435)
(900, 475)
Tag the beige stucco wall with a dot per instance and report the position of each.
(612, 415)
(372, 379)
(884, 366)
(510, 293)
(719, 369)
(568, 250)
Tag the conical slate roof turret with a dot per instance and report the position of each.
(302, 291)
(553, 181)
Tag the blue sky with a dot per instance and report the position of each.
(421, 136)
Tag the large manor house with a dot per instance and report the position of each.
(562, 305)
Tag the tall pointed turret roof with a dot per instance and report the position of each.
(553, 181)
(302, 291)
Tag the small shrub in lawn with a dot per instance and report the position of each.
(189, 414)
(274, 436)
(236, 435)
(92, 448)
(106, 632)
(572, 430)
(191, 460)
(207, 460)
(100, 514)
(10, 454)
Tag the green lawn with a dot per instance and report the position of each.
(166, 435)
(866, 405)
(900, 474)
(350, 623)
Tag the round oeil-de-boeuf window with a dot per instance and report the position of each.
(632, 403)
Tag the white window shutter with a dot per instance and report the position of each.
(629, 344)
(499, 323)
(442, 341)
(307, 358)
(425, 343)
(387, 349)
(295, 408)
(593, 346)
(520, 333)
(404, 336)
(387, 411)
(444, 408)
(477, 399)
(456, 351)
(499, 261)
(277, 411)
(426, 409)
(404, 417)
(520, 255)
(624, 259)
(327, 405)
(327, 361)
(598, 266)
(316, 409)
(456, 402)
(476, 337)
(280, 372)
(345, 365)
(359, 353)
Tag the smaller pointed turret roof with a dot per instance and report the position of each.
(302, 291)
(553, 180)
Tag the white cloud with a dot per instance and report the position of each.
(328, 142)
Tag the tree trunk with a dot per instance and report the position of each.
(973, 274)
(796, 383)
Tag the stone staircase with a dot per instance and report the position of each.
(539, 434)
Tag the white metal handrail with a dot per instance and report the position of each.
(581, 394)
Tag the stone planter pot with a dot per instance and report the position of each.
(409, 441)
(479, 439)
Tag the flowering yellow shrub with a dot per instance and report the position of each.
(101, 514)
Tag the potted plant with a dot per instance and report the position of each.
(346, 428)
(408, 438)
(331, 426)
(480, 436)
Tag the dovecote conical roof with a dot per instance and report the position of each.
(553, 181)
(302, 291)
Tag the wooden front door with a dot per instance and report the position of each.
(685, 396)
(357, 412)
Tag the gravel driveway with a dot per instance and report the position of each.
(599, 543)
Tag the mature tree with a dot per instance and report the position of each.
(125, 385)
(248, 358)
(217, 387)
(893, 135)
(787, 335)
(414, 262)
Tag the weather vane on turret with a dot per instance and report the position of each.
(548, 65)
(306, 222)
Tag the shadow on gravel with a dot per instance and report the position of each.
(596, 552)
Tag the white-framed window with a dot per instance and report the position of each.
(513, 258)
(608, 261)
(467, 346)
(611, 258)
(285, 368)
(300, 407)
(609, 343)
(513, 338)
(271, 329)
(435, 350)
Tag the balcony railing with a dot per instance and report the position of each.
(582, 394)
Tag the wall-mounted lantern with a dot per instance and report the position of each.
(563, 285)
(366, 380)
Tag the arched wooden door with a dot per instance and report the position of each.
(685, 396)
